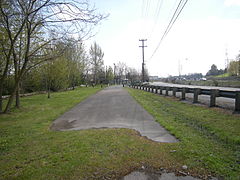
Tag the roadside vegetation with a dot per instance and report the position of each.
(209, 138)
(228, 77)
(30, 150)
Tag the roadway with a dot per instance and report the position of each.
(226, 103)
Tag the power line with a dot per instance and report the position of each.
(167, 29)
(175, 16)
(143, 4)
(147, 7)
(158, 10)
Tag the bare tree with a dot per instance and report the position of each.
(96, 61)
(120, 71)
(33, 27)
(133, 75)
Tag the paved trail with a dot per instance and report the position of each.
(112, 107)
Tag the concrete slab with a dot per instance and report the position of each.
(136, 175)
(112, 107)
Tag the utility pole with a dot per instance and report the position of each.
(143, 63)
(114, 69)
(179, 68)
(226, 60)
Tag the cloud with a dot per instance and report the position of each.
(232, 2)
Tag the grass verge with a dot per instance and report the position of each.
(210, 139)
(29, 150)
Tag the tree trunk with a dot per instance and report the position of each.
(239, 67)
(48, 91)
(10, 100)
(1, 100)
(18, 96)
(16, 85)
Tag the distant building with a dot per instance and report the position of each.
(153, 78)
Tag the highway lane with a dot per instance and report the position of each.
(193, 86)
(226, 103)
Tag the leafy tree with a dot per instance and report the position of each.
(238, 59)
(76, 59)
(233, 68)
(30, 28)
(109, 74)
(213, 71)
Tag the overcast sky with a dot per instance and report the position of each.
(198, 39)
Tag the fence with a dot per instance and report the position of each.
(213, 93)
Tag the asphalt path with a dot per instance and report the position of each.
(226, 103)
(193, 86)
(112, 107)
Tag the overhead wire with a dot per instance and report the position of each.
(143, 4)
(167, 29)
(147, 7)
(157, 13)
(158, 8)
(175, 16)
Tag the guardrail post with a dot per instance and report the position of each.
(161, 89)
(167, 89)
(153, 89)
(237, 101)
(149, 88)
(183, 93)
(156, 91)
(174, 91)
(213, 95)
(195, 95)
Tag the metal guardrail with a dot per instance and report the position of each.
(213, 93)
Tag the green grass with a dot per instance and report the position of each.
(30, 150)
(210, 138)
(223, 75)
